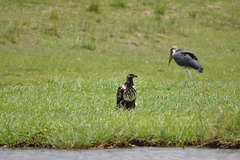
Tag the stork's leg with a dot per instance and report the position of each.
(185, 79)
(191, 77)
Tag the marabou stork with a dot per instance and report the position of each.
(185, 59)
(127, 93)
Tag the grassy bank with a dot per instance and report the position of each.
(62, 61)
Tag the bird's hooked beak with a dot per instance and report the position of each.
(131, 75)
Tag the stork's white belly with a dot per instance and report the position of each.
(130, 94)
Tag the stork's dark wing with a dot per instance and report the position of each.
(120, 94)
(193, 56)
(188, 59)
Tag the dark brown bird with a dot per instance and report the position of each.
(127, 93)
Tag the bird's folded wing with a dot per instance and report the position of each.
(120, 94)
(193, 56)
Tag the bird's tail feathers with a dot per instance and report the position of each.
(198, 66)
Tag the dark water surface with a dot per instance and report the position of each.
(138, 153)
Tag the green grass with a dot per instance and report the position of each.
(62, 61)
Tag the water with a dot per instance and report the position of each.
(139, 153)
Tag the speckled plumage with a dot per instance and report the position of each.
(127, 93)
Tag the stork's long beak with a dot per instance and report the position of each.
(170, 59)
